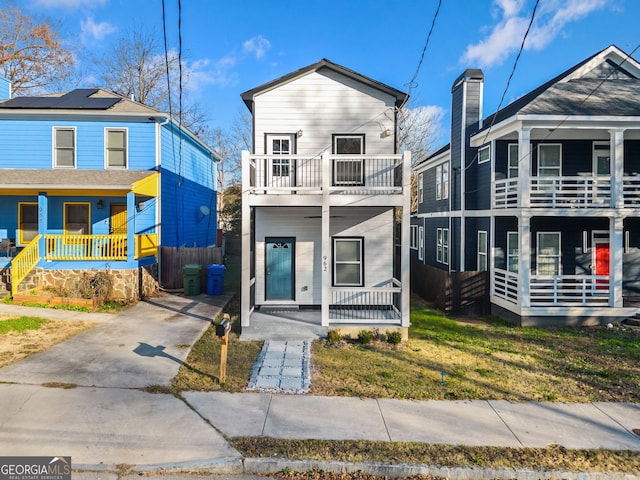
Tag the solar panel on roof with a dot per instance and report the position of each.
(76, 99)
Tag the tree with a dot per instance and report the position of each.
(136, 67)
(419, 130)
(31, 55)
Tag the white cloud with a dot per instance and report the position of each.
(257, 45)
(505, 37)
(96, 31)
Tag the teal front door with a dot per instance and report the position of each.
(280, 267)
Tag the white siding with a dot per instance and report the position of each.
(321, 104)
(374, 224)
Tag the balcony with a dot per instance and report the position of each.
(336, 174)
(557, 192)
(380, 305)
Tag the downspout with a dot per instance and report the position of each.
(158, 198)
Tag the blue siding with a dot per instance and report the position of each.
(38, 135)
(188, 181)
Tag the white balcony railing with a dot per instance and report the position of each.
(554, 290)
(349, 174)
(556, 192)
(631, 191)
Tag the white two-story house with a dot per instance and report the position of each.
(544, 193)
(326, 201)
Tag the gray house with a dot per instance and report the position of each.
(544, 194)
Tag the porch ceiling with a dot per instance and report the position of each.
(64, 181)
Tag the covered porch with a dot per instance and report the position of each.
(76, 219)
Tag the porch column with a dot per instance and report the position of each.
(405, 256)
(327, 261)
(616, 229)
(617, 167)
(524, 167)
(245, 285)
(524, 260)
(131, 226)
(43, 224)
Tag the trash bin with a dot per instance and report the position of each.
(191, 279)
(215, 279)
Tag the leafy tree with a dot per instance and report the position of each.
(31, 55)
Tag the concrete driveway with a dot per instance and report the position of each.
(141, 346)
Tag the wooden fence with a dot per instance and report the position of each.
(172, 260)
(456, 293)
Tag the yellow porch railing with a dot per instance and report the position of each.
(86, 247)
(24, 262)
(60, 247)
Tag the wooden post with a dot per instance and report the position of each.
(223, 351)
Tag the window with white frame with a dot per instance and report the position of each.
(280, 146)
(482, 251)
(421, 243)
(348, 171)
(484, 154)
(442, 245)
(348, 262)
(420, 187)
(548, 253)
(64, 147)
(512, 252)
(513, 161)
(115, 147)
(549, 160)
(442, 181)
(413, 237)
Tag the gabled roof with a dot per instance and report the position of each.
(603, 72)
(249, 95)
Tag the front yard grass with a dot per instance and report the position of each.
(21, 337)
(491, 360)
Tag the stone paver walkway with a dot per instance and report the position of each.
(282, 366)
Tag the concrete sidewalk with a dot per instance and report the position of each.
(110, 419)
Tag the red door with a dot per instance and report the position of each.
(602, 264)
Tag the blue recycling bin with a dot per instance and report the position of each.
(215, 279)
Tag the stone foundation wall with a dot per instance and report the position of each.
(128, 285)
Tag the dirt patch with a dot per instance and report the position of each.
(15, 346)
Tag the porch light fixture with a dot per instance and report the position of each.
(299, 133)
(139, 206)
(99, 205)
(386, 133)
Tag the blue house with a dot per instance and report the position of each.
(90, 180)
(543, 195)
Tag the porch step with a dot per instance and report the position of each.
(279, 308)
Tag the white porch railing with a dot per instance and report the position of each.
(553, 290)
(350, 174)
(569, 290)
(631, 191)
(369, 305)
(557, 192)
(505, 285)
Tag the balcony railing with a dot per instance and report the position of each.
(374, 305)
(554, 290)
(631, 191)
(556, 192)
(348, 174)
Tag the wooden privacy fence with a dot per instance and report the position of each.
(172, 260)
(456, 293)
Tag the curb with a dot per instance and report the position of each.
(257, 466)
(266, 466)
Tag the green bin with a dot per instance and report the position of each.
(191, 279)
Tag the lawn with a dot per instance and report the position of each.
(481, 360)
(485, 360)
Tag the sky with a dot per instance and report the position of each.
(231, 46)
